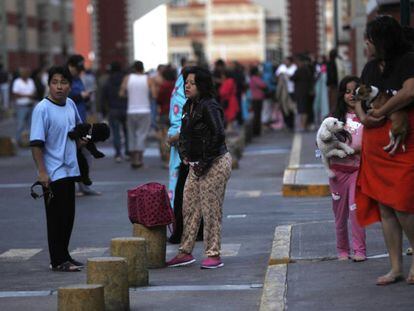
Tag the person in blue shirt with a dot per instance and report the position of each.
(54, 154)
(80, 96)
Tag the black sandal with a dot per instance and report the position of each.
(67, 266)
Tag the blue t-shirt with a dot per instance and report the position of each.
(51, 124)
(76, 89)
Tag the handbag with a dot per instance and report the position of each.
(149, 205)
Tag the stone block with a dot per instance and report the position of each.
(81, 297)
(156, 238)
(134, 250)
(112, 273)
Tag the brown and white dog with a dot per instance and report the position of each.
(374, 98)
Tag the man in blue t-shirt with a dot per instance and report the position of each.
(55, 157)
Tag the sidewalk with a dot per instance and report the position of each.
(303, 272)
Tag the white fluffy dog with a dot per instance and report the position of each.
(329, 144)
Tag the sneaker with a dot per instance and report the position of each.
(181, 261)
(211, 263)
(76, 263)
(118, 159)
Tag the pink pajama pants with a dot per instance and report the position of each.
(344, 208)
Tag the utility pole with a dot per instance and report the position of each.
(336, 23)
(405, 12)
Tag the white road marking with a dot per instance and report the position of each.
(186, 288)
(33, 293)
(248, 194)
(89, 251)
(175, 288)
(19, 254)
(236, 216)
(230, 250)
(295, 152)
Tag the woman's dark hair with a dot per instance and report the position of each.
(203, 80)
(169, 73)
(64, 71)
(341, 108)
(388, 37)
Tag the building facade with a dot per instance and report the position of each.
(217, 29)
(35, 33)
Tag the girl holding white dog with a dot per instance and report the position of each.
(343, 185)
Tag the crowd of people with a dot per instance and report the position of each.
(190, 109)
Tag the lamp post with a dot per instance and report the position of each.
(405, 12)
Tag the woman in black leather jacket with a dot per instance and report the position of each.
(202, 146)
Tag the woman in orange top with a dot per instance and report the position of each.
(385, 183)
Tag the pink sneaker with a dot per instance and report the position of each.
(211, 263)
(181, 261)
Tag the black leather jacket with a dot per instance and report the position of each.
(202, 136)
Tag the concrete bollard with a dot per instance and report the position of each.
(7, 148)
(112, 273)
(81, 297)
(135, 252)
(156, 238)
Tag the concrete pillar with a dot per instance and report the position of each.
(81, 297)
(135, 252)
(156, 238)
(112, 273)
(7, 147)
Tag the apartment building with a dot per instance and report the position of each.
(225, 29)
(35, 33)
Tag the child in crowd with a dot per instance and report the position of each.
(343, 185)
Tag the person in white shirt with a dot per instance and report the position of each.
(285, 85)
(136, 87)
(24, 94)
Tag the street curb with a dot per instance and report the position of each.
(291, 187)
(305, 180)
(275, 284)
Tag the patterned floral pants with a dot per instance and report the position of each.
(203, 197)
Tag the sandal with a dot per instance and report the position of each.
(67, 266)
(410, 279)
(388, 279)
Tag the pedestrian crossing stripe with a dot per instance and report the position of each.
(19, 254)
(248, 194)
(23, 254)
(89, 251)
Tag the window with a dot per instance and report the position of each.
(179, 2)
(273, 26)
(176, 58)
(274, 55)
(179, 30)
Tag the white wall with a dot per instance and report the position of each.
(150, 38)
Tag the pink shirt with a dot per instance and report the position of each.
(257, 87)
(354, 126)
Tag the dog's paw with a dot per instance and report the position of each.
(331, 174)
(350, 151)
(341, 154)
